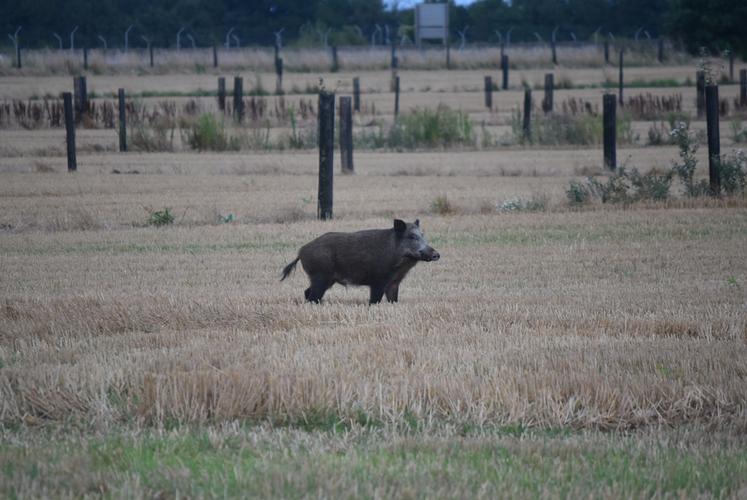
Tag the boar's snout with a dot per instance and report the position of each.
(429, 255)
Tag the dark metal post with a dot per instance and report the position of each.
(356, 94)
(731, 65)
(488, 92)
(335, 62)
(620, 94)
(609, 124)
(743, 88)
(215, 56)
(714, 146)
(554, 53)
(547, 102)
(326, 153)
(238, 98)
(661, 50)
(448, 54)
(150, 54)
(527, 126)
(85, 58)
(67, 99)
(346, 134)
(396, 97)
(607, 51)
(504, 68)
(18, 56)
(279, 76)
(122, 121)
(700, 93)
(81, 97)
(222, 93)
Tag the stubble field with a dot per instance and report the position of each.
(564, 352)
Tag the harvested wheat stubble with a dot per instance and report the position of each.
(594, 320)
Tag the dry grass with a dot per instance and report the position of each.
(45, 62)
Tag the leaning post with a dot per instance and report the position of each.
(527, 125)
(489, 92)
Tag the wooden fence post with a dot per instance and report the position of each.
(609, 124)
(731, 65)
(356, 94)
(527, 126)
(606, 51)
(620, 91)
(396, 97)
(346, 135)
(504, 68)
(335, 61)
(222, 93)
(215, 56)
(743, 88)
(85, 58)
(326, 153)
(660, 56)
(150, 54)
(238, 98)
(547, 102)
(81, 97)
(489, 92)
(554, 53)
(67, 99)
(700, 93)
(122, 121)
(714, 146)
(279, 76)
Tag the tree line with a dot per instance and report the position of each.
(715, 24)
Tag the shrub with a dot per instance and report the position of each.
(208, 134)
(442, 127)
(733, 170)
(442, 206)
(555, 129)
(161, 217)
(739, 133)
(685, 169)
(534, 204)
(158, 137)
(650, 186)
(578, 193)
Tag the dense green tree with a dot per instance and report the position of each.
(715, 24)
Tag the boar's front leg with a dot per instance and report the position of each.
(377, 291)
(392, 292)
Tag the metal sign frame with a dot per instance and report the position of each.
(432, 22)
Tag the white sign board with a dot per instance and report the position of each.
(432, 22)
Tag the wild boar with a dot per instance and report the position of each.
(377, 258)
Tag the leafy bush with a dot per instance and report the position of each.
(625, 186)
(442, 206)
(442, 127)
(578, 193)
(208, 134)
(161, 217)
(739, 133)
(534, 204)
(555, 129)
(685, 169)
(733, 170)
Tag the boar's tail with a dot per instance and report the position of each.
(289, 268)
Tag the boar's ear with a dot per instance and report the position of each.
(417, 222)
(399, 226)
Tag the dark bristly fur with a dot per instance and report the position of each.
(377, 258)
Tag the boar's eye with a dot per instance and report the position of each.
(413, 236)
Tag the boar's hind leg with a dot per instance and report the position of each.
(376, 293)
(392, 292)
(319, 285)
